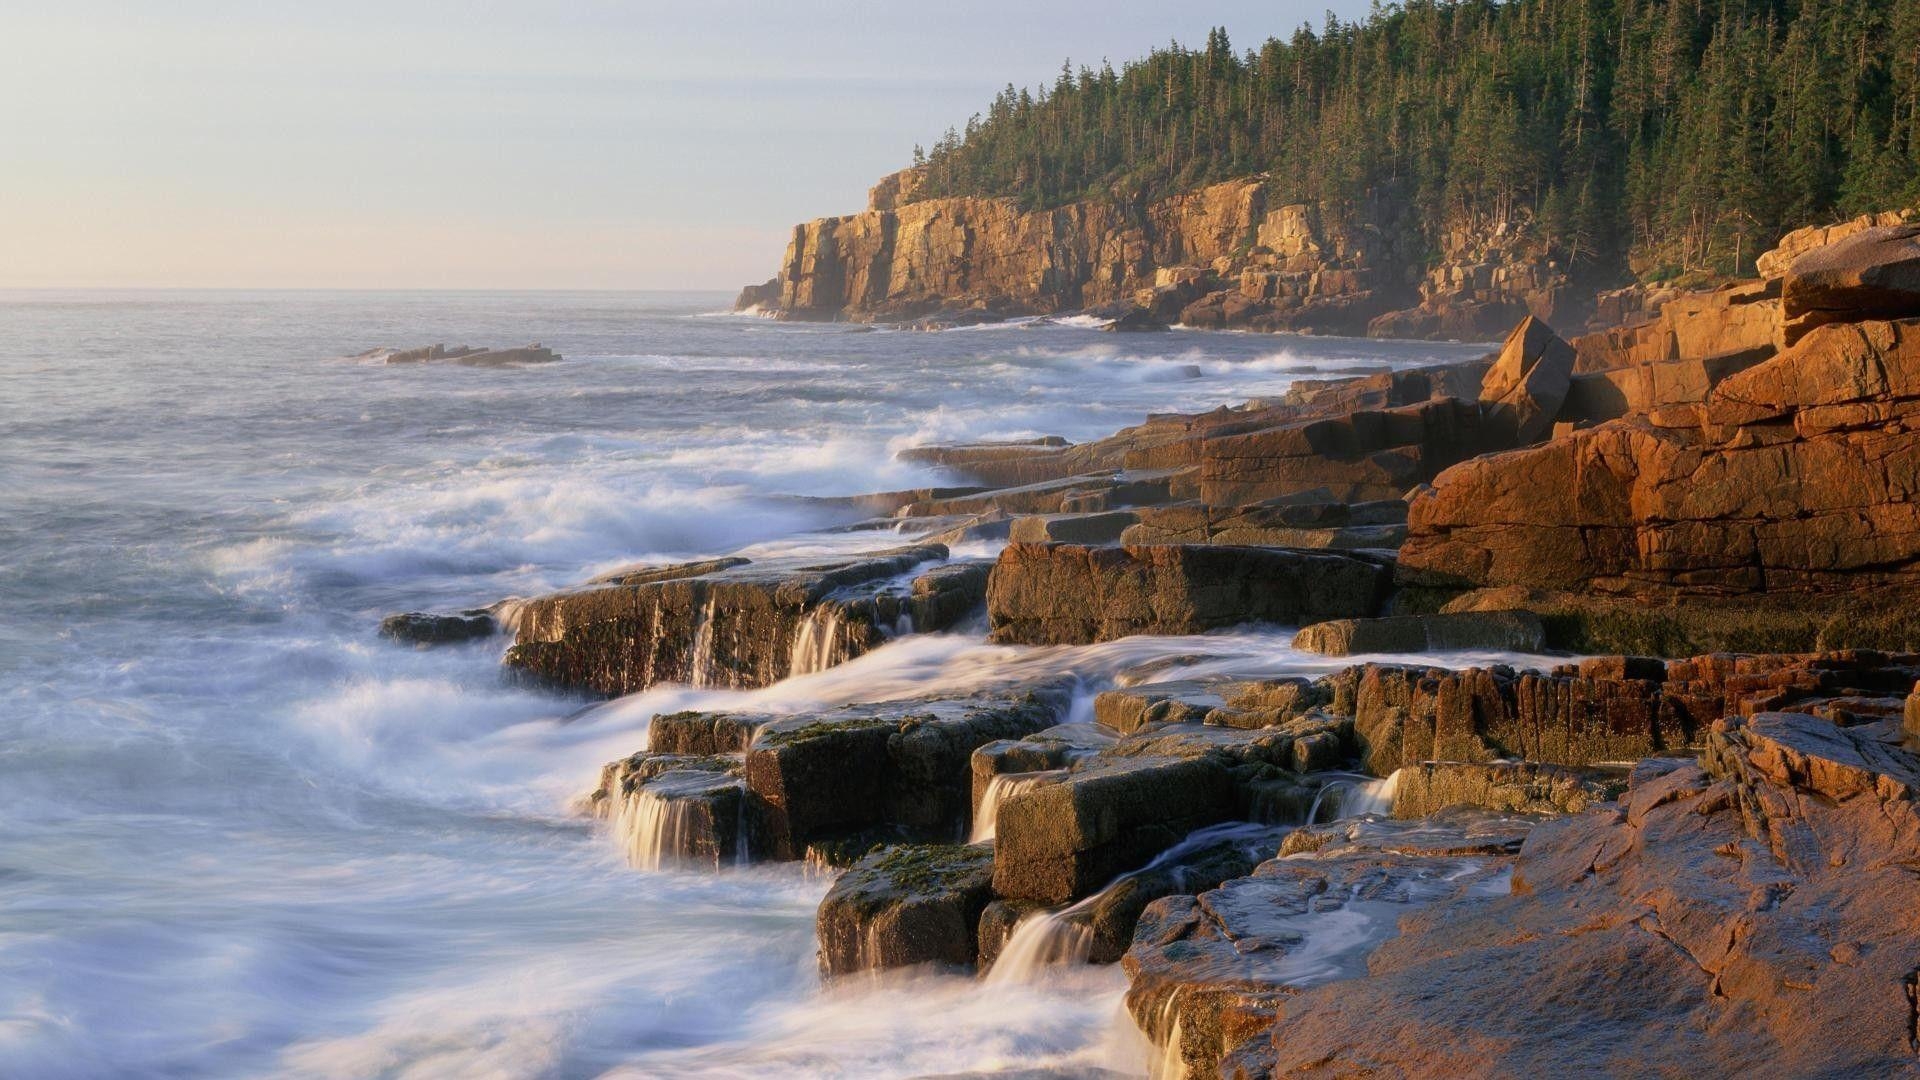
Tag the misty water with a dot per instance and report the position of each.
(242, 835)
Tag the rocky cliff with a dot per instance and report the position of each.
(1224, 255)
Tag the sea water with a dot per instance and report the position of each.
(242, 835)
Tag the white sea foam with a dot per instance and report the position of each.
(242, 835)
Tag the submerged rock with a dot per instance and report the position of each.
(425, 628)
(466, 355)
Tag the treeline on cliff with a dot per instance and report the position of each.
(1667, 136)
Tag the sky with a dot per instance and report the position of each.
(567, 144)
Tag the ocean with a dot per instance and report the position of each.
(242, 835)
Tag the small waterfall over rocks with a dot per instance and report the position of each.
(817, 642)
(651, 829)
(1357, 797)
(701, 674)
(1049, 939)
(1043, 941)
(1002, 787)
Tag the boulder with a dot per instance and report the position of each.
(1115, 810)
(1872, 274)
(1526, 386)
(1506, 631)
(947, 596)
(1059, 594)
(904, 906)
(905, 765)
(1065, 840)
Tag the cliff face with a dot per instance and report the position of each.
(1224, 255)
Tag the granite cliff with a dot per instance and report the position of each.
(1225, 255)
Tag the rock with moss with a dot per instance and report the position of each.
(904, 906)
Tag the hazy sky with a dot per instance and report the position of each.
(559, 145)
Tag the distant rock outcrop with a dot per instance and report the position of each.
(1226, 255)
(464, 355)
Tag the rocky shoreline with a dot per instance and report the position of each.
(1685, 845)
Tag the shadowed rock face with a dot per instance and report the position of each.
(1059, 594)
(1752, 914)
(737, 626)
(1527, 384)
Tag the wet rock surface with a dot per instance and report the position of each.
(905, 765)
(1212, 970)
(1749, 914)
(464, 355)
(742, 625)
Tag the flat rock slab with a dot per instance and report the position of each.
(742, 625)
(1750, 914)
(1506, 631)
(1062, 594)
(1209, 971)
(1102, 528)
(1873, 274)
